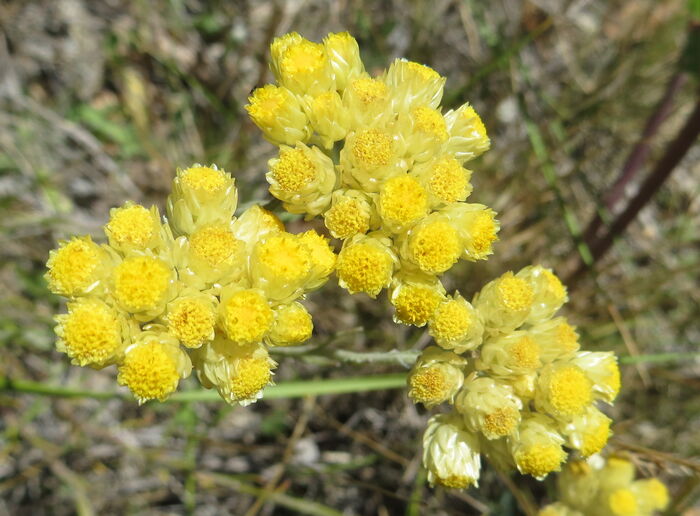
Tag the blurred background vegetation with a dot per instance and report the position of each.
(101, 101)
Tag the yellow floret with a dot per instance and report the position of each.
(369, 90)
(567, 338)
(402, 200)
(424, 72)
(435, 247)
(622, 502)
(430, 121)
(525, 353)
(149, 371)
(451, 321)
(514, 293)
(501, 422)
(612, 381)
(657, 492)
(455, 481)
(302, 58)
(141, 282)
(539, 460)
(429, 386)
(293, 325)
(246, 317)
(294, 170)
(415, 304)
(131, 224)
(477, 124)
(73, 266)
(595, 439)
(216, 245)
(373, 148)
(449, 182)
(90, 332)
(191, 321)
(284, 257)
(554, 283)
(205, 179)
(569, 391)
(364, 268)
(265, 104)
(253, 375)
(322, 256)
(346, 219)
(483, 232)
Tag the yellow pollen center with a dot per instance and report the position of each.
(449, 181)
(555, 285)
(132, 225)
(515, 293)
(149, 371)
(416, 304)
(435, 247)
(658, 492)
(303, 58)
(285, 257)
(455, 481)
(322, 256)
(364, 268)
(191, 321)
(347, 218)
(323, 104)
(525, 353)
(424, 73)
(451, 321)
(141, 282)
(373, 148)
(567, 339)
(622, 502)
(247, 317)
(477, 125)
(429, 386)
(569, 390)
(294, 170)
(612, 380)
(91, 332)
(204, 179)
(72, 268)
(253, 374)
(265, 105)
(595, 439)
(430, 121)
(483, 232)
(293, 325)
(402, 200)
(501, 422)
(540, 459)
(369, 90)
(216, 245)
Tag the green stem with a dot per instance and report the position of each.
(295, 389)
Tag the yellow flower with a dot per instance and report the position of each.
(191, 319)
(368, 158)
(563, 390)
(254, 224)
(142, 285)
(468, 138)
(350, 214)
(556, 338)
(281, 265)
(344, 56)
(239, 373)
(328, 117)
(366, 264)
(216, 255)
(91, 333)
(415, 298)
(455, 325)
(478, 229)
(301, 65)
(76, 267)
(245, 315)
(402, 202)
(451, 453)
(433, 245)
(365, 99)
(588, 432)
(279, 115)
(537, 449)
(303, 178)
(153, 366)
(200, 196)
(489, 407)
(424, 131)
(132, 226)
(516, 353)
(436, 377)
(549, 292)
(292, 326)
(413, 84)
(323, 259)
(602, 370)
(445, 180)
(504, 303)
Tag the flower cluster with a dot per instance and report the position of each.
(520, 388)
(203, 289)
(599, 487)
(379, 161)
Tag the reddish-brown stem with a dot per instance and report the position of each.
(638, 155)
(663, 169)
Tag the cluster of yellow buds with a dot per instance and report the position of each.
(202, 290)
(520, 388)
(379, 161)
(600, 487)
